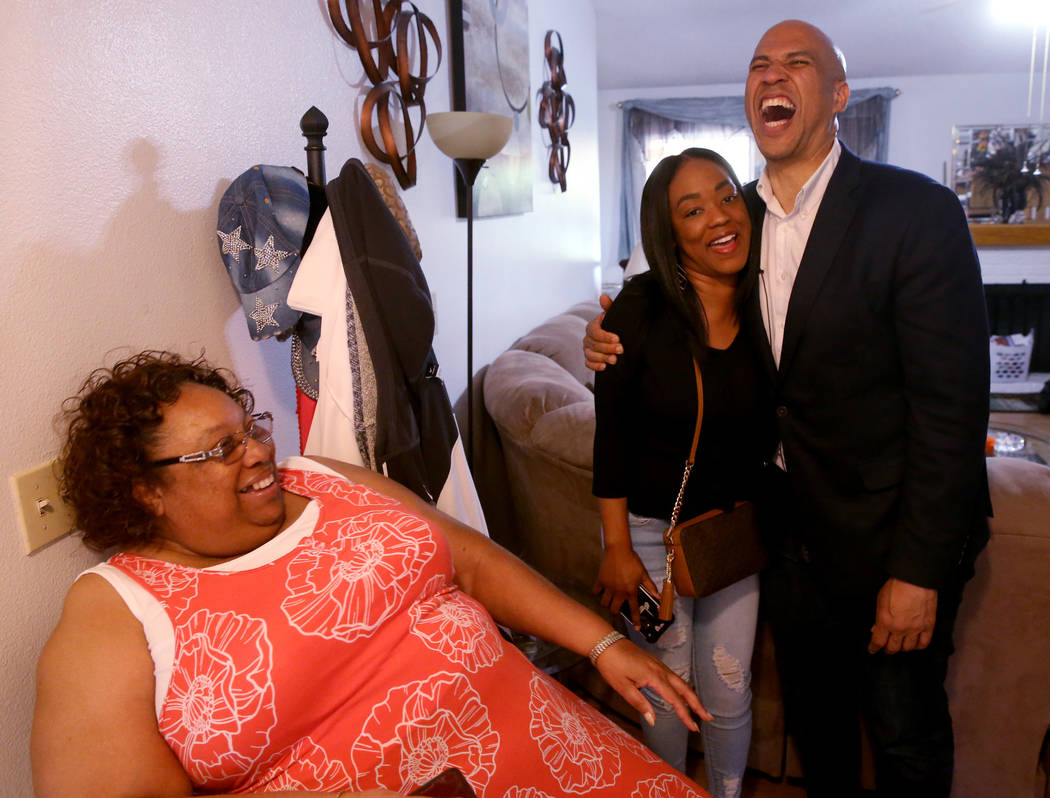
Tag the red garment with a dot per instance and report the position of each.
(353, 661)
(304, 410)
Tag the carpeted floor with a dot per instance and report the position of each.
(1014, 402)
(1018, 397)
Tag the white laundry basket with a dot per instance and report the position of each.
(1011, 356)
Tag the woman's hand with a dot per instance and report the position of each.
(618, 578)
(627, 669)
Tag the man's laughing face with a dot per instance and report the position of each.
(795, 87)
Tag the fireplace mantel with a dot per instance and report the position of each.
(1010, 235)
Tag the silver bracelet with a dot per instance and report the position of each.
(601, 645)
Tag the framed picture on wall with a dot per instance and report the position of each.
(490, 72)
(1000, 172)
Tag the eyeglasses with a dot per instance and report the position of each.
(231, 448)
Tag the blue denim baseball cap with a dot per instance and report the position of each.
(262, 219)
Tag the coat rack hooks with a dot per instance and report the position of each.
(314, 125)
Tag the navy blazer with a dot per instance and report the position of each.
(882, 387)
(415, 429)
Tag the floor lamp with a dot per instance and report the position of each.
(469, 138)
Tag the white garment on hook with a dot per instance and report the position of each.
(345, 415)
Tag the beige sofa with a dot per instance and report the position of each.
(538, 397)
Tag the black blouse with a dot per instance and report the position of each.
(645, 409)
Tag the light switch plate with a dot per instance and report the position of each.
(42, 515)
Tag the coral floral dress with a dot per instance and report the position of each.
(342, 655)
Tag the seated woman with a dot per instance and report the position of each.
(312, 629)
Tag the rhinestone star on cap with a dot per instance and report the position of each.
(263, 315)
(233, 244)
(269, 256)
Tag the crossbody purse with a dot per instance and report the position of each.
(712, 550)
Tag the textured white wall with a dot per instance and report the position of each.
(123, 122)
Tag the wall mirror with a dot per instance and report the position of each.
(1002, 172)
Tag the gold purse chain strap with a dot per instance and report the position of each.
(688, 468)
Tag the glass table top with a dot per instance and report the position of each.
(1006, 442)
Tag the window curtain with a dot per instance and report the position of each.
(863, 127)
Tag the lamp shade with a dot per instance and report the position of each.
(469, 134)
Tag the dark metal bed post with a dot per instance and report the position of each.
(314, 125)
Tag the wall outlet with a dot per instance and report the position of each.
(42, 515)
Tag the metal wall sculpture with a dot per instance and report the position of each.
(557, 110)
(388, 63)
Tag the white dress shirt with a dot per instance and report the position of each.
(784, 237)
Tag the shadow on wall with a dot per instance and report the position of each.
(153, 280)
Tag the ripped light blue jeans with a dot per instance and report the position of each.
(709, 645)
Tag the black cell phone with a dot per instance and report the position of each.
(450, 783)
(649, 612)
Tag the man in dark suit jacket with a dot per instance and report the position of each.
(870, 295)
